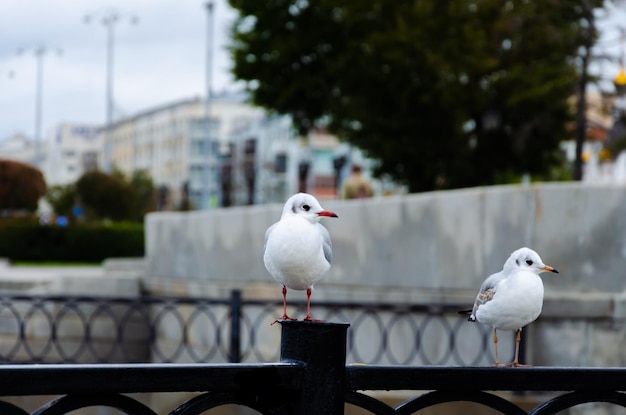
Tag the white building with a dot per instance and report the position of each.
(260, 163)
(268, 156)
(19, 148)
(71, 151)
(179, 149)
(239, 155)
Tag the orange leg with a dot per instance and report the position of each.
(495, 345)
(308, 307)
(284, 316)
(518, 339)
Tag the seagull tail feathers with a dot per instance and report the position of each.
(467, 312)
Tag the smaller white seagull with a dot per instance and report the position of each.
(298, 249)
(512, 298)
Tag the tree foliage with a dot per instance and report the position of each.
(62, 199)
(21, 186)
(146, 194)
(105, 196)
(113, 196)
(443, 94)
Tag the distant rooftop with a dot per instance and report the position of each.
(224, 96)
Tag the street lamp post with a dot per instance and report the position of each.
(39, 52)
(109, 18)
(209, 53)
(209, 178)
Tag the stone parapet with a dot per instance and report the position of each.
(435, 242)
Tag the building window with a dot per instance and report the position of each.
(280, 163)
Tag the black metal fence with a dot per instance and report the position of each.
(311, 378)
(63, 329)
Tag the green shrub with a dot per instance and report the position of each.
(24, 241)
(21, 186)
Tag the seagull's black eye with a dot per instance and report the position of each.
(529, 262)
(306, 207)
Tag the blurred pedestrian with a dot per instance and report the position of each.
(356, 186)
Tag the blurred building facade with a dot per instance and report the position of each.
(18, 147)
(238, 155)
(199, 156)
(157, 141)
(187, 154)
(72, 150)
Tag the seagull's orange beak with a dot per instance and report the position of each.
(328, 213)
(549, 269)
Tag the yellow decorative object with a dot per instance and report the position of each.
(585, 156)
(620, 79)
(604, 155)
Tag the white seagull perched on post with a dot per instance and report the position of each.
(512, 298)
(298, 250)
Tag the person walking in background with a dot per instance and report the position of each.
(356, 186)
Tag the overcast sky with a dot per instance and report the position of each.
(158, 60)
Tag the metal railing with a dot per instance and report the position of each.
(73, 329)
(311, 378)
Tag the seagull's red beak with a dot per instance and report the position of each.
(549, 269)
(328, 213)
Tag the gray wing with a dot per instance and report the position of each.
(486, 292)
(491, 281)
(327, 244)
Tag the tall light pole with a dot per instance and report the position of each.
(209, 54)
(39, 52)
(109, 18)
(211, 180)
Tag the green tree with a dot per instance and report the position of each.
(146, 194)
(443, 94)
(105, 196)
(21, 186)
(62, 199)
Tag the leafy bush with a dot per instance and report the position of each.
(21, 186)
(97, 196)
(106, 196)
(62, 199)
(27, 241)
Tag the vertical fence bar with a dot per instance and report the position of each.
(235, 326)
(322, 349)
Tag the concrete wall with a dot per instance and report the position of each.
(431, 247)
(442, 244)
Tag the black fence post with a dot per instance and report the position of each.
(321, 347)
(235, 327)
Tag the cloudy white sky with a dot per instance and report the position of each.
(160, 59)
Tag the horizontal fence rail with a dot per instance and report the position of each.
(80, 329)
(311, 378)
